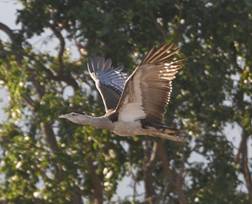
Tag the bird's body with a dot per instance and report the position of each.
(134, 105)
(127, 128)
(136, 128)
(123, 128)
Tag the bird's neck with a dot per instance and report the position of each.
(98, 122)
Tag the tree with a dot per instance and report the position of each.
(47, 160)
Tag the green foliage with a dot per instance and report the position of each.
(47, 160)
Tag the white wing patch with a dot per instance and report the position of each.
(131, 112)
(132, 108)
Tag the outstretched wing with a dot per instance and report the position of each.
(108, 80)
(149, 87)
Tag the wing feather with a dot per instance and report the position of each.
(108, 80)
(149, 87)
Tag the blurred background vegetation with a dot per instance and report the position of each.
(47, 160)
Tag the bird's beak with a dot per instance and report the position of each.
(62, 116)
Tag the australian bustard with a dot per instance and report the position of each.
(134, 105)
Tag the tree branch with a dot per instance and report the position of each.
(97, 197)
(62, 74)
(242, 154)
(16, 44)
(149, 164)
(61, 77)
(62, 43)
(49, 136)
(177, 179)
(8, 31)
(29, 101)
(58, 76)
(51, 141)
(242, 159)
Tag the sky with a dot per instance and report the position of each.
(7, 15)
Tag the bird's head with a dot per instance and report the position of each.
(75, 117)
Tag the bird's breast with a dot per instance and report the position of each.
(126, 128)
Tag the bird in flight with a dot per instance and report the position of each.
(134, 104)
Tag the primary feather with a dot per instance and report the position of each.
(108, 80)
(148, 89)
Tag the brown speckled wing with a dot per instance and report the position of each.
(148, 89)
